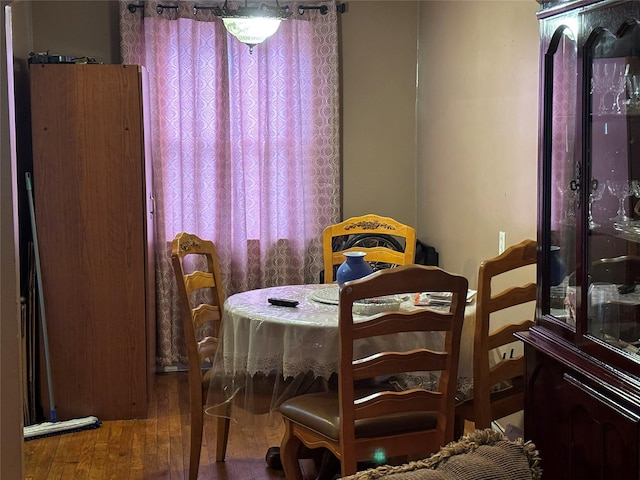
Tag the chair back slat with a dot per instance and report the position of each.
(398, 322)
(205, 314)
(504, 335)
(511, 297)
(196, 280)
(506, 370)
(387, 363)
(389, 403)
(374, 254)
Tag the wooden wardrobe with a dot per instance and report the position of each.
(93, 211)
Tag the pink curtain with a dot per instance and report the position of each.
(245, 146)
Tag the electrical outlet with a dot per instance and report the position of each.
(502, 242)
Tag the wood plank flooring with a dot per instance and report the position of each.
(153, 448)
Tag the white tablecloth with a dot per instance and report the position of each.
(260, 340)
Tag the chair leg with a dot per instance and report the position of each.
(348, 466)
(289, 452)
(329, 466)
(196, 442)
(222, 437)
(458, 427)
(482, 417)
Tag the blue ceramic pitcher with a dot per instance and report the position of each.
(353, 267)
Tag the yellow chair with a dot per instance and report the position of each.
(368, 419)
(498, 389)
(195, 264)
(386, 242)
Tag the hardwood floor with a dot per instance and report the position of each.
(153, 448)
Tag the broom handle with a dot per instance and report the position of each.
(45, 337)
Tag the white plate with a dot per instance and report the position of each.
(330, 295)
(371, 306)
(440, 298)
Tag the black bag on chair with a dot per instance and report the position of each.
(425, 254)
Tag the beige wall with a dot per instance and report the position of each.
(84, 28)
(467, 168)
(379, 47)
(477, 128)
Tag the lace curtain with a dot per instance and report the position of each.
(245, 147)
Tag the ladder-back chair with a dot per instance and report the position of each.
(368, 419)
(195, 264)
(498, 388)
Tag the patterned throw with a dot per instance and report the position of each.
(480, 455)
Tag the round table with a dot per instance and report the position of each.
(286, 351)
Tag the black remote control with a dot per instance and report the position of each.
(283, 302)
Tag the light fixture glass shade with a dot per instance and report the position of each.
(252, 24)
(251, 30)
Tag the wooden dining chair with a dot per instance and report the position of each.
(386, 242)
(195, 263)
(498, 388)
(368, 419)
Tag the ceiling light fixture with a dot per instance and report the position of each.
(252, 24)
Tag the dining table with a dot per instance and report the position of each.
(268, 353)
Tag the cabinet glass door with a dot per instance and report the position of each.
(561, 158)
(613, 260)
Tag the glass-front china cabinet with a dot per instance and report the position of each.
(582, 406)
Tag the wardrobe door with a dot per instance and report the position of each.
(90, 199)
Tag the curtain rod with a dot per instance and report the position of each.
(340, 8)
